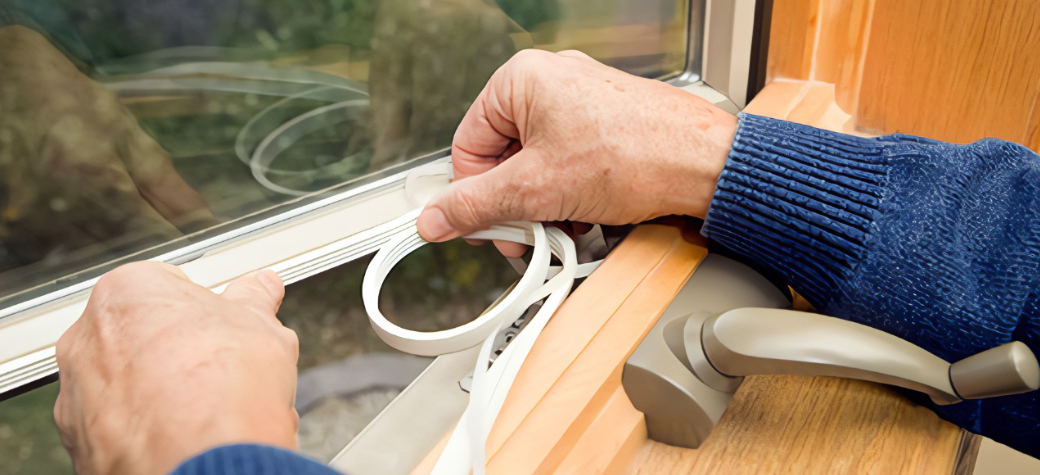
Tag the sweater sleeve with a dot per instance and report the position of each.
(251, 459)
(936, 243)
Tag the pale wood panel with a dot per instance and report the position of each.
(799, 425)
(610, 442)
(843, 41)
(806, 102)
(955, 71)
(578, 321)
(816, 105)
(793, 31)
(562, 415)
(777, 99)
(428, 462)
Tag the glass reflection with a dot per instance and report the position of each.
(131, 124)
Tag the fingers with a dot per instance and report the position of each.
(506, 248)
(261, 292)
(478, 202)
(511, 249)
(493, 128)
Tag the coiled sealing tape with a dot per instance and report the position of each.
(464, 451)
(530, 289)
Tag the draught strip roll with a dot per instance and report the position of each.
(465, 449)
(526, 292)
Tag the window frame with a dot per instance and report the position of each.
(297, 243)
(336, 229)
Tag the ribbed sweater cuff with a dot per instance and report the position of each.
(798, 201)
(251, 459)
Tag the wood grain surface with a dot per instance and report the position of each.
(955, 71)
(567, 411)
(801, 425)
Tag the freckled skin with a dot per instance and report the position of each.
(561, 137)
(159, 369)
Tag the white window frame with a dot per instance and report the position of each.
(297, 244)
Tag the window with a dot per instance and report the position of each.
(130, 129)
(241, 134)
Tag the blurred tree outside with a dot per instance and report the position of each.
(29, 442)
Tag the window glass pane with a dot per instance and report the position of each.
(29, 443)
(129, 127)
(443, 286)
(347, 374)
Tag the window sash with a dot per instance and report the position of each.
(320, 235)
(298, 243)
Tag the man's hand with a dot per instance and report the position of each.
(559, 136)
(159, 369)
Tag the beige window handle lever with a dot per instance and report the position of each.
(750, 341)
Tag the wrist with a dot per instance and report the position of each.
(176, 441)
(262, 430)
(707, 134)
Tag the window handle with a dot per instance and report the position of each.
(750, 341)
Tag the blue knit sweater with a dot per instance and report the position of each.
(936, 243)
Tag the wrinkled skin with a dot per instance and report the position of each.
(77, 174)
(562, 137)
(159, 369)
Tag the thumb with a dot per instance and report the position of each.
(480, 201)
(259, 291)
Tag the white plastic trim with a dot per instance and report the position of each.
(728, 31)
(296, 245)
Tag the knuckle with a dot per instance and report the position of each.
(129, 276)
(529, 60)
(124, 275)
(63, 347)
(573, 53)
(57, 412)
(292, 341)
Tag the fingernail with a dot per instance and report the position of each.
(271, 282)
(433, 225)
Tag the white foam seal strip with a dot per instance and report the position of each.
(464, 452)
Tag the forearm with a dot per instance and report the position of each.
(935, 243)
